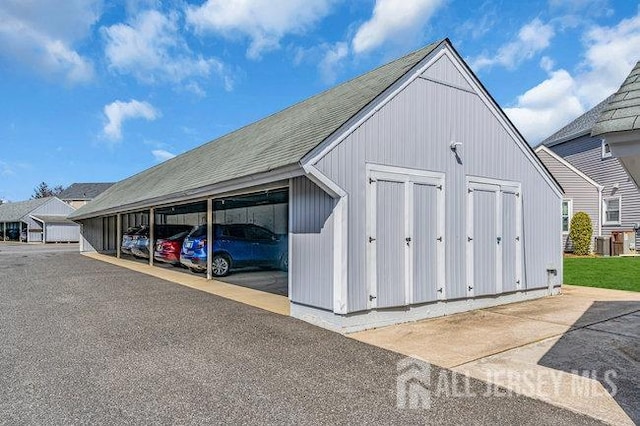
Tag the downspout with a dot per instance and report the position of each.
(600, 189)
(340, 236)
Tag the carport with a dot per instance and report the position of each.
(257, 222)
(402, 194)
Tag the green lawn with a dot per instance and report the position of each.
(622, 273)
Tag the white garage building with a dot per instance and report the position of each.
(409, 192)
(39, 220)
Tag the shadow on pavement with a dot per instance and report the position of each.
(606, 350)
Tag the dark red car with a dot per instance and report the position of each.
(168, 250)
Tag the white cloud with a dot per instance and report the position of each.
(533, 37)
(6, 169)
(331, 61)
(42, 36)
(161, 155)
(152, 49)
(262, 21)
(610, 54)
(118, 112)
(392, 18)
(549, 105)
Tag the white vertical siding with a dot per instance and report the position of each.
(311, 244)
(53, 207)
(92, 235)
(415, 130)
(62, 232)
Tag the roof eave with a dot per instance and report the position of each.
(253, 181)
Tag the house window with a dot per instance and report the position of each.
(611, 209)
(567, 207)
(606, 149)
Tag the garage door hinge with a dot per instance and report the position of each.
(469, 190)
(470, 288)
(439, 187)
(371, 239)
(439, 239)
(440, 290)
(469, 239)
(371, 180)
(518, 238)
(371, 297)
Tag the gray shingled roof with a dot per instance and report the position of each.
(84, 191)
(623, 112)
(13, 212)
(578, 127)
(53, 219)
(277, 141)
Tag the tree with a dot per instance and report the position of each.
(43, 190)
(580, 233)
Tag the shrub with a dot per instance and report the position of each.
(580, 233)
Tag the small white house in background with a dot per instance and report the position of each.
(410, 194)
(39, 220)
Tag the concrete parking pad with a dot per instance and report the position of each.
(567, 350)
(461, 338)
(87, 342)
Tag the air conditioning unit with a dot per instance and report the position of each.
(603, 246)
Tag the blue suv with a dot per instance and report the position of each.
(235, 246)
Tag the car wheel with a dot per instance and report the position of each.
(284, 262)
(220, 265)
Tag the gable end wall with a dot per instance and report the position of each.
(414, 130)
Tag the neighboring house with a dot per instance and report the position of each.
(581, 193)
(619, 198)
(619, 124)
(409, 194)
(79, 194)
(38, 220)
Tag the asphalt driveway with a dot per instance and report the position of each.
(83, 341)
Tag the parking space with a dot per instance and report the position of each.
(249, 233)
(90, 342)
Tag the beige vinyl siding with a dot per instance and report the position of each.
(582, 193)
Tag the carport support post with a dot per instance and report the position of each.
(152, 237)
(4, 231)
(209, 236)
(119, 234)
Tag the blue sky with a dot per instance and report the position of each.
(96, 90)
